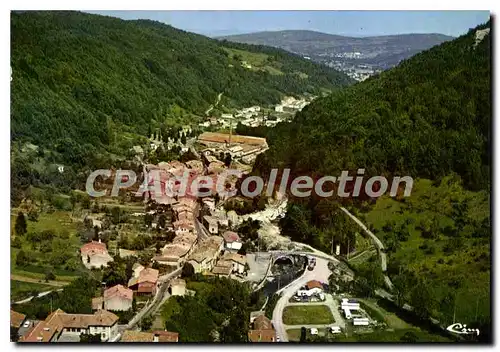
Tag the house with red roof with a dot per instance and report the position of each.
(146, 283)
(232, 241)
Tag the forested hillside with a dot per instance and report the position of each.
(429, 118)
(77, 76)
(86, 88)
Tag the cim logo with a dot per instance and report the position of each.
(458, 328)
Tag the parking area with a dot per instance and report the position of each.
(325, 314)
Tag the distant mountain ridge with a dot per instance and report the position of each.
(291, 39)
(344, 52)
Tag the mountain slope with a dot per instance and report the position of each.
(76, 76)
(427, 117)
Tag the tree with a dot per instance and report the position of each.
(162, 221)
(21, 227)
(148, 219)
(303, 334)
(227, 160)
(422, 300)
(13, 334)
(146, 323)
(187, 270)
(90, 338)
(116, 215)
(158, 247)
(409, 336)
(49, 276)
(22, 259)
(33, 215)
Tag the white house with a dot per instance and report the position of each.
(237, 261)
(212, 224)
(118, 298)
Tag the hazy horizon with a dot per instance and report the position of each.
(344, 23)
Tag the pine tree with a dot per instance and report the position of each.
(21, 226)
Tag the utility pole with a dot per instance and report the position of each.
(348, 248)
(477, 305)
(454, 309)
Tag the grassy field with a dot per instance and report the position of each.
(307, 314)
(258, 61)
(20, 290)
(381, 315)
(453, 266)
(362, 257)
(396, 336)
(58, 254)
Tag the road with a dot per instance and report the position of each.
(157, 300)
(378, 243)
(38, 296)
(212, 106)
(320, 272)
(39, 281)
(201, 231)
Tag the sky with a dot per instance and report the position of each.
(351, 23)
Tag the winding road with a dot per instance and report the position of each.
(378, 243)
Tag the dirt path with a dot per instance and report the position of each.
(38, 281)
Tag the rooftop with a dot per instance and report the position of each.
(137, 336)
(16, 319)
(261, 335)
(230, 236)
(235, 257)
(58, 320)
(94, 247)
(166, 336)
(119, 291)
(146, 275)
(314, 284)
(213, 137)
(207, 249)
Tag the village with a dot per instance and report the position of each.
(201, 234)
(213, 236)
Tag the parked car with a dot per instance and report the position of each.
(314, 331)
(27, 324)
(335, 329)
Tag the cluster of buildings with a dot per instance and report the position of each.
(351, 311)
(291, 104)
(357, 71)
(204, 244)
(175, 254)
(243, 148)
